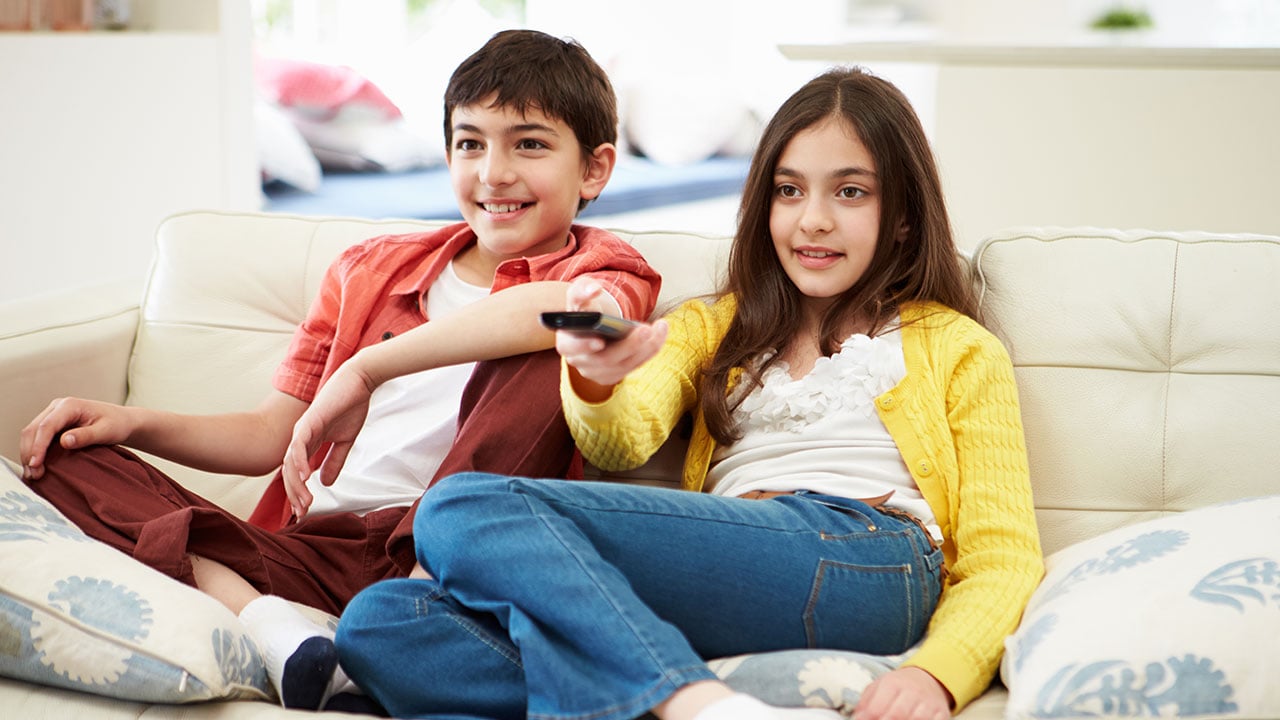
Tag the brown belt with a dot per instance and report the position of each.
(874, 502)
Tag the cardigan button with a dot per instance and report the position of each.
(886, 402)
(924, 468)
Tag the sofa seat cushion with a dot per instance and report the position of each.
(77, 614)
(1175, 617)
(805, 678)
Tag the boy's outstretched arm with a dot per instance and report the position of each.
(500, 325)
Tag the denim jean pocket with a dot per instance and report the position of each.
(867, 608)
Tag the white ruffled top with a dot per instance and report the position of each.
(821, 432)
(848, 381)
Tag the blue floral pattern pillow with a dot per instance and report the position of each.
(805, 678)
(77, 614)
(1176, 617)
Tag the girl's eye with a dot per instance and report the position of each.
(851, 193)
(787, 191)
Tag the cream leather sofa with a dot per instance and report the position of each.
(1148, 366)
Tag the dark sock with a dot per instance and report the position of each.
(307, 673)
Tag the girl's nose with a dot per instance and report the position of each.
(816, 218)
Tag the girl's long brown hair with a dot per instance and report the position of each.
(915, 257)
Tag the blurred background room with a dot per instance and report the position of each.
(1127, 113)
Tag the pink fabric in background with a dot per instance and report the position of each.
(319, 90)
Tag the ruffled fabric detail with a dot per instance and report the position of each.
(848, 381)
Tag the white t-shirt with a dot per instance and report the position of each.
(411, 424)
(821, 433)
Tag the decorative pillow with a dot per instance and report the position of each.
(283, 154)
(679, 116)
(355, 141)
(1175, 617)
(805, 678)
(348, 121)
(319, 91)
(77, 614)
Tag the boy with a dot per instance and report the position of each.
(530, 130)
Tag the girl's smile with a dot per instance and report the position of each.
(816, 258)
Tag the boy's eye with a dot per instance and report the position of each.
(467, 145)
(531, 144)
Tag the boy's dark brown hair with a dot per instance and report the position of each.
(531, 69)
(915, 259)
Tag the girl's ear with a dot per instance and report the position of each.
(599, 169)
(903, 230)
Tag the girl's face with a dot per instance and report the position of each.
(825, 213)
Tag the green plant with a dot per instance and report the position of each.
(1122, 18)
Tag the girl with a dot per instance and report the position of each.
(857, 454)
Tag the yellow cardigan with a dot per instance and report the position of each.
(956, 420)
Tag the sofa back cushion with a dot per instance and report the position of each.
(1148, 366)
(226, 291)
(1148, 363)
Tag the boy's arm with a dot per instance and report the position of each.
(245, 443)
(499, 325)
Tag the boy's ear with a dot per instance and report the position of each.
(599, 169)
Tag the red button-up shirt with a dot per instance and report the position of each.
(377, 289)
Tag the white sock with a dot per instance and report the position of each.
(739, 706)
(280, 631)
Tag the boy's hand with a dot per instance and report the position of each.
(907, 693)
(81, 422)
(604, 363)
(335, 415)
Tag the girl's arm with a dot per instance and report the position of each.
(619, 422)
(997, 559)
(595, 365)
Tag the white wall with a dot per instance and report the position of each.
(1187, 149)
(104, 134)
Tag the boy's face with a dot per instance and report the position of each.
(518, 178)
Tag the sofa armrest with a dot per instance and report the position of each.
(75, 342)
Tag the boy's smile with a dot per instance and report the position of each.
(518, 178)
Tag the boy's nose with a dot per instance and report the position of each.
(496, 170)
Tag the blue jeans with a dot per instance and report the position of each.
(558, 599)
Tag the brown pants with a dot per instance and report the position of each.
(510, 423)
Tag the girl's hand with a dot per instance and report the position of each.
(81, 422)
(602, 362)
(907, 693)
(335, 415)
